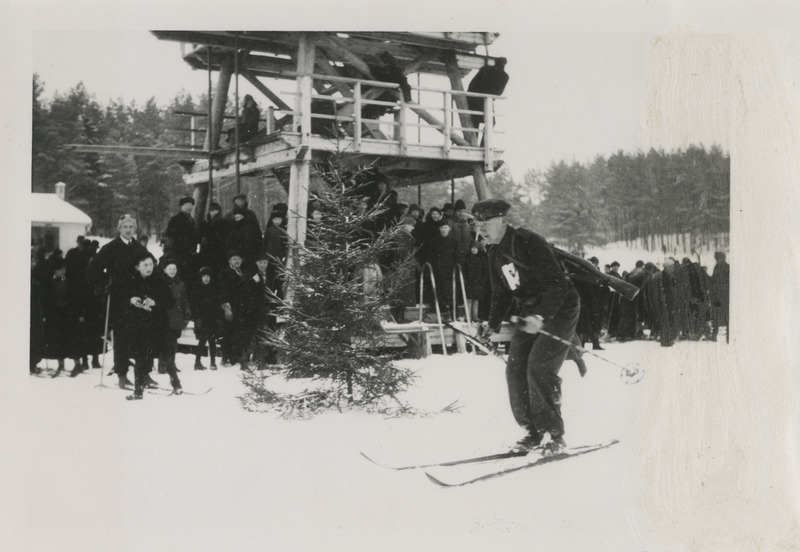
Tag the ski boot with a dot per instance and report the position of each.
(137, 395)
(555, 446)
(526, 444)
(124, 382)
(79, 367)
(150, 383)
(198, 364)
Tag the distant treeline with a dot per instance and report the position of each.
(105, 186)
(628, 197)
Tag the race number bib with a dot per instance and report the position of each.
(511, 275)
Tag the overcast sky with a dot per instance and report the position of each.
(578, 70)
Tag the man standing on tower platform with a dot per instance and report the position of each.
(528, 281)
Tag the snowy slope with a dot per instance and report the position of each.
(199, 473)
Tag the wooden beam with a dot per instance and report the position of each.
(460, 100)
(414, 65)
(337, 46)
(218, 104)
(431, 120)
(323, 62)
(274, 98)
(182, 153)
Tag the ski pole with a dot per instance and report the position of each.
(630, 373)
(105, 340)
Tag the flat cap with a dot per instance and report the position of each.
(490, 208)
(184, 200)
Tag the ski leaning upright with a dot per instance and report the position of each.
(568, 453)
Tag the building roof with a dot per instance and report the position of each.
(48, 208)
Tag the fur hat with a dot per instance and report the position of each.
(184, 200)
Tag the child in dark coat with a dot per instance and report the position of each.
(148, 298)
(178, 316)
(207, 318)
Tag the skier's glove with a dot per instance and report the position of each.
(228, 312)
(485, 333)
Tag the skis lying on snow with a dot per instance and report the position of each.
(168, 391)
(498, 456)
(537, 461)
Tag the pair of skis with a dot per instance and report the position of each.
(168, 391)
(537, 459)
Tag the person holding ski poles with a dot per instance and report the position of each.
(529, 282)
(112, 268)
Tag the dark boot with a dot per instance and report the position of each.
(198, 364)
(138, 394)
(95, 362)
(59, 369)
(124, 382)
(78, 368)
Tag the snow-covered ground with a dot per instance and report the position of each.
(200, 473)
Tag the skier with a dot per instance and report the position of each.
(112, 268)
(528, 281)
(148, 298)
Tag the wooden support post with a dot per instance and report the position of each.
(447, 131)
(300, 171)
(479, 178)
(488, 134)
(453, 72)
(213, 133)
(357, 114)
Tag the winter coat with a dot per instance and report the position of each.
(148, 330)
(244, 236)
(181, 236)
(720, 292)
(462, 233)
(212, 234)
(276, 243)
(543, 287)
(235, 290)
(476, 274)
(443, 255)
(206, 311)
(113, 265)
(62, 329)
(180, 314)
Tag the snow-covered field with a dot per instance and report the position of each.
(200, 473)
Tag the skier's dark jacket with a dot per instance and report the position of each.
(147, 330)
(113, 266)
(544, 287)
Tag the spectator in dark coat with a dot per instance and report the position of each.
(630, 310)
(276, 246)
(212, 235)
(260, 291)
(476, 275)
(250, 119)
(61, 318)
(88, 343)
(428, 232)
(402, 265)
(37, 350)
(112, 268)
(444, 255)
(720, 295)
(178, 315)
(207, 318)
(181, 238)
(238, 310)
(461, 230)
(148, 299)
(244, 235)
(490, 79)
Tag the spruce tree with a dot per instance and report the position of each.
(330, 333)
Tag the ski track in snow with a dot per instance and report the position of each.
(201, 473)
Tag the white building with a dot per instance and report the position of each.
(56, 224)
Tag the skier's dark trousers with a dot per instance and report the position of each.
(113, 267)
(529, 282)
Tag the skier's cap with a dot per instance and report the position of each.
(205, 271)
(214, 206)
(408, 221)
(444, 222)
(615, 263)
(234, 253)
(184, 200)
(243, 197)
(459, 205)
(490, 208)
(261, 257)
